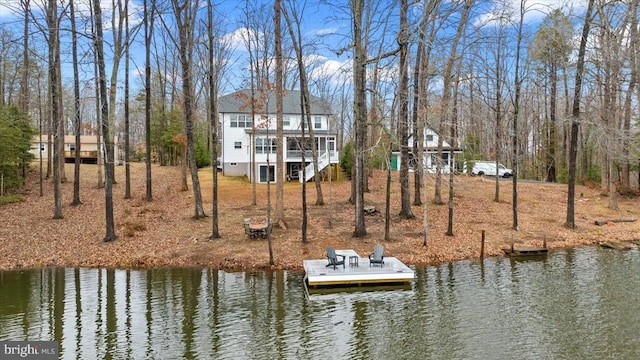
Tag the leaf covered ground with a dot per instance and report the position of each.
(163, 233)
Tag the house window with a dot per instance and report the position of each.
(262, 145)
(294, 170)
(317, 122)
(240, 121)
(271, 173)
(237, 145)
(429, 137)
(286, 121)
(444, 159)
(299, 144)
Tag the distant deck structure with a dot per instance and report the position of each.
(359, 273)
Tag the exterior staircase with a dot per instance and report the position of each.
(309, 170)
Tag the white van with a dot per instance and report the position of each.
(489, 168)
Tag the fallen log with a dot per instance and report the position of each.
(619, 245)
(605, 221)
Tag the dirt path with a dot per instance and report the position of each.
(163, 233)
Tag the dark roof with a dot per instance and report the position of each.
(237, 102)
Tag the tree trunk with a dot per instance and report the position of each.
(403, 115)
(359, 116)
(305, 216)
(56, 113)
(76, 96)
(446, 96)
(185, 14)
(108, 191)
(387, 206)
(498, 111)
(425, 75)
(625, 184)
(280, 178)
(575, 123)
(452, 141)
(117, 23)
(551, 151)
(296, 38)
(127, 154)
(148, 31)
(418, 126)
(516, 113)
(213, 123)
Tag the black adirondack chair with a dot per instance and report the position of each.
(377, 256)
(333, 258)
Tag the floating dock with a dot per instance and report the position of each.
(525, 251)
(356, 272)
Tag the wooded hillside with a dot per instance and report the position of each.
(164, 233)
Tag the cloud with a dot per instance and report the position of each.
(325, 31)
(237, 40)
(11, 8)
(324, 67)
(535, 10)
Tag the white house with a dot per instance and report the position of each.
(244, 137)
(430, 153)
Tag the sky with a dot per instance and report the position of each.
(324, 22)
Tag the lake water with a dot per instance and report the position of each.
(575, 304)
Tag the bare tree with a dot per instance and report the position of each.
(359, 115)
(127, 150)
(632, 19)
(279, 88)
(403, 113)
(98, 102)
(428, 25)
(148, 35)
(446, 92)
(213, 120)
(24, 86)
(76, 96)
(185, 16)
(259, 63)
(516, 118)
(108, 187)
(575, 124)
(293, 17)
(417, 130)
(118, 16)
(55, 98)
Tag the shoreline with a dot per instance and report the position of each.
(277, 267)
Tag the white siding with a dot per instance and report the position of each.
(229, 152)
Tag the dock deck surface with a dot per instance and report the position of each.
(392, 272)
(525, 251)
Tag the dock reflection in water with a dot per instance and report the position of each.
(574, 304)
